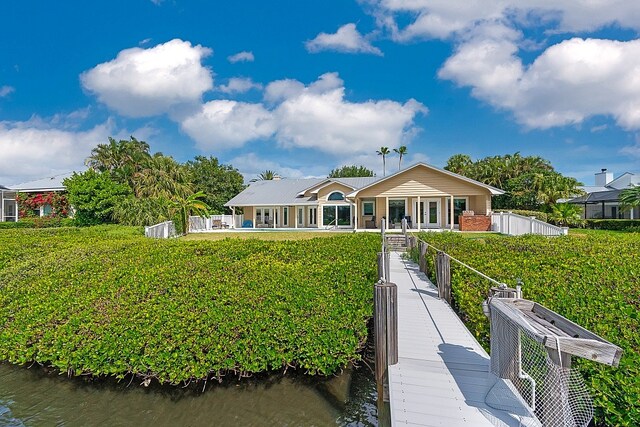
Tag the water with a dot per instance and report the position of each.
(35, 397)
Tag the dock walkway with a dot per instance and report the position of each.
(443, 376)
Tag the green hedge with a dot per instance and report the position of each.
(104, 301)
(593, 280)
(43, 222)
(542, 216)
(613, 224)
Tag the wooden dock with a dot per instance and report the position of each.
(443, 376)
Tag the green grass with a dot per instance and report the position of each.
(262, 235)
(106, 301)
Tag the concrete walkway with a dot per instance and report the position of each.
(443, 375)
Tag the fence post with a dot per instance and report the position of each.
(385, 332)
(384, 259)
(422, 258)
(443, 276)
(532, 221)
(165, 230)
(382, 230)
(565, 231)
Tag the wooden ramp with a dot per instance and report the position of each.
(443, 376)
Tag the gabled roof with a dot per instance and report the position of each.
(282, 192)
(598, 197)
(353, 183)
(53, 183)
(494, 191)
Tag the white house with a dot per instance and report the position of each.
(601, 200)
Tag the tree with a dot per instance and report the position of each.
(218, 182)
(121, 159)
(147, 211)
(565, 214)
(383, 151)
(161, 176)
(267, 175)
(630, 197)
(402, 150)
(93, 196)
(185, 206)
(459, 163)
(350, 172)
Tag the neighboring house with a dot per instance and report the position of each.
(8, 206)
(427, 196)
(45, 185)
(601, 200)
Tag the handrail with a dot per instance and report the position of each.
(463, 264)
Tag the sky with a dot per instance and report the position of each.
(302, 87)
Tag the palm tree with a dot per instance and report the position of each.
(383, 151)
(630, 197)
(185, 206)
(401, 151)
(122, 159)
(565, 214)
(267, 175)
(162, 177)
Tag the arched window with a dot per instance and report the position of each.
(336, 195)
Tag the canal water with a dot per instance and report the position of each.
(35, 397)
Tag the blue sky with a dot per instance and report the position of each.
(303, 87)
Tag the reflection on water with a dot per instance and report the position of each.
(32, 397)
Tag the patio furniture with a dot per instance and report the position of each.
(370, 223)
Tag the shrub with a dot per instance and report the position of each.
(612, 224)
(593, 280)
(39, 222)
(89, 301)
(542, 216)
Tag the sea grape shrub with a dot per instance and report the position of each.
(593, 280)
(103, 302)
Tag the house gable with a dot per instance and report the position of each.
(325, 191)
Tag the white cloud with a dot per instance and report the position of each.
(346, 39)
(37, 148)
(567, 83)
(145, 82)
(239, 85)
(252, 164)
(320, 118)
(227, 124)
(444, 18)
(315, 116)
(6, 90)
(244, 56)
(632, 150)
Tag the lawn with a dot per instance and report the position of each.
(105, 301)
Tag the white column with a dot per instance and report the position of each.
(233, 216)
(2, 213)
(295, 209)
(418, 214)
(254, 217)
(319, 216)
(451, 214)
(386, 214)
(355, 214)
(275, 222)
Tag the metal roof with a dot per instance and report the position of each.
(53, 183)
(275, 193)
(598, 197)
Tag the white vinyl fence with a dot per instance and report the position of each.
(214, 222)
(164, 230)
(517, 225)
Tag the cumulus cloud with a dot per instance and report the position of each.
(145, 82)
(239, 85)
(443, 18)
(244, 56)
(252, 164)
(227, 124)
(632, 150)
(35, 148)
(315, 116)
(346, 39)
(567, 83)
(6, 90)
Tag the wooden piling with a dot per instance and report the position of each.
(383, 266)
(385, 332)
(422, 258)
(443, 276)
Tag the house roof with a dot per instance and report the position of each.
(597, 197)
(283, 192)
(494, 191)
(290, 192)
(2, 187)
(53, 183)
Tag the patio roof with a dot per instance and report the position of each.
(597, 197)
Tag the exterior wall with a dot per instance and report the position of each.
(594, 211)
(248, 213)
(324, 192)
(481, 205)
(423, 182)
(475, 223)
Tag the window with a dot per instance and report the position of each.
(313, 216)
(459, 205)
(336, 195)
(396, 210)
(300, 216)
(368, 208)
(285, 216)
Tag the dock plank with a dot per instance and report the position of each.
(443, 375)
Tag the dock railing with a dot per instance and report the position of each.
(517, 225)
